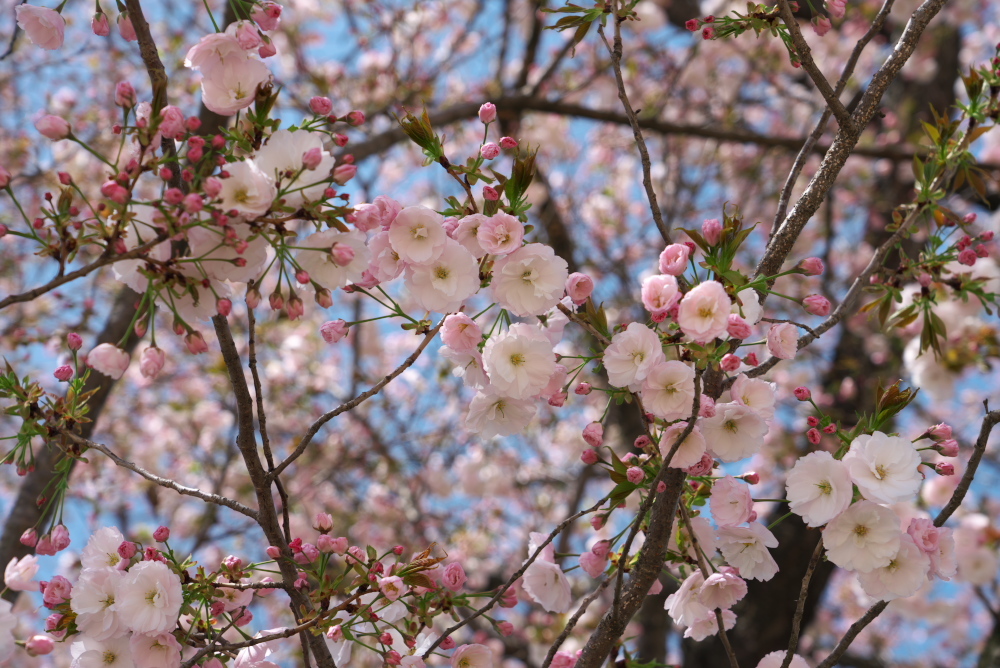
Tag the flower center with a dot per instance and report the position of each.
(517, 359)
(731, 426)
(881, 472)
(705, 312)
(418, 232)
(109, 657)
(861, 531)
(825, 487)
(528, 276)
(441, 272)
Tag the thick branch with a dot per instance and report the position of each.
(845, 142)
(267, 516)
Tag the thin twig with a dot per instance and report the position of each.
(703, 567)
(217, 499)
(989, 421)
(106, 258)
(800, 605)
(647, 179)
(804, 54)
(571, 622)
(346, 406)
(513, 578)
(810, 143)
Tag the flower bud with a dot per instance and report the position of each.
(730, 362)
(324, 522)
(162, 534)
(29, 537)
(814, 436)
(508, 142)
(945, 468)
(344, 173)
(321, 106)
(948, 448)
(811, 266)
(490, 194)
(488, 113)
(53, 127)
(312, 158)
(802, 393)
(127, 550)
(579, 286)
(333, 331)
(124, 95)
(99, 24)
(589, 456)
(63, 373)
(583, 389)
(738, 328)
(816, 305)
(39, 645)
(711, 230)
(593, 434)
(74, 341)
(151, 362)
(195, 343)
(489, 150)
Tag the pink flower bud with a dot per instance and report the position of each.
(635, 475)
(830, 429)
(692, 25)
(711, 229)
(5, 178)
(969, 218)
(65, 179)
(74, 341)
(816, 305)
(706, 408)
(811, 266)
(948, 448)
(294, 308)
(812, 421)
(99, 24)
(593, 434)
(344, 173)
(248, 36)
(738, 327)
(488, 113)
(821, 25)
(579, 287)
(814, 436)
(127, 550)
(945, 469)
(335, 633)
(333, 331)
(505, 628)
(968, 257)
(940, 431)
(152, 361)
(321, 106)
(355, 118)
(212, 187)
(589, 456)
(63, 373)
(489, 150)
(730, 362)
(704, 466)
(126, 29)
(449, 642)
(195, 343)
(124, 95)
(490, 194)
(161, 535)
(53, 127)
(508, 143)
(751, 477)
(802, 393)
(29, 537)
(557, 400)
(751, 360)
(312, 158)
(39, 645)
(583, 389)
(273, 552)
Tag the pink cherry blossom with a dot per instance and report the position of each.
(704, 312)
(45, 27)
(783, 340)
